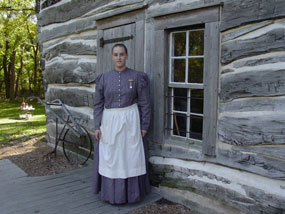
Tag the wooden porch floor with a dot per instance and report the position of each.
(69, 192)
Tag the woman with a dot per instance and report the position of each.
(122, 117)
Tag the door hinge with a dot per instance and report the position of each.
(120, 39)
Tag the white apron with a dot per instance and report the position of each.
(121, 151)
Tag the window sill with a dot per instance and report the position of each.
(185, 143)
(172, 148)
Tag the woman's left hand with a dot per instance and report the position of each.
(144, 133)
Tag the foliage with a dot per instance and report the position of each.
(18, 36)
(13, 129)
(195, 49)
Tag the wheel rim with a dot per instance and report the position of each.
(74, 157)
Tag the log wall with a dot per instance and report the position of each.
(68, 40)
(247, 173)
(251, 117)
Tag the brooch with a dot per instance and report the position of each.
(131, 83)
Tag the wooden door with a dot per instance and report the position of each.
(127, 29)
(126, 35)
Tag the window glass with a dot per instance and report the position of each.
(180, 99)
(179, 44)
(179, 124)
(196, 43)
(195, 70)
(178, 67)
(196, 127)
(197, 101)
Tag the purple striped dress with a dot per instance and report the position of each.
(113, 91)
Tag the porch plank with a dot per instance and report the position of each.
(67, 193)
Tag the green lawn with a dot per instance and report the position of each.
(14, 129)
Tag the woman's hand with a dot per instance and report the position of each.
(98, 134)
(144, 132)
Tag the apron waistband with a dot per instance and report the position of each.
(122, 109)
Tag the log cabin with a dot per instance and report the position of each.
(217, 73)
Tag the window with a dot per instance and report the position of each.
(185, 84)
(184, 63)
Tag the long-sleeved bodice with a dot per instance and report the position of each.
(116, 89)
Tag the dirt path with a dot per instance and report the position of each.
(30, 155)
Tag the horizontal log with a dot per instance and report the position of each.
(227, 70)
(196, 202)
(70, 48)
(254, 104)
(72, 96)
(272, 40)
(270, 203)
(83, 115)
(223, 184)
(112, 7)
(64, 29)
(48, 3)
(70, 71)
(264, 80)
(263, 59)
(183, 179)
(119, 11)
(262, 165)
(88, 36)
(271, 165)
(252, 128)
(240, 12)
(67, 11)
(161, 7)
(244, 30)
(277, 152)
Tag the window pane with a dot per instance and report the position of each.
(178, 70)
(196, 43)
(179, 44)
(195, 70)
(196, 127)
(197, 101)
(180, 99)
(179, 124)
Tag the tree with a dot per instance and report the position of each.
(19, 50)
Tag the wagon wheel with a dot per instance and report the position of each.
(77, 150)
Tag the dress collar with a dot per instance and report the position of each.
(122, 70)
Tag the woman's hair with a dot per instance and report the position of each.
(120, 45)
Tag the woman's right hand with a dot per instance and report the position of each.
(98, 134)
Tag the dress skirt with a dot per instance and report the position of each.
(120, 163)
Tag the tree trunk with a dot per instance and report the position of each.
(1, 83)
(12, 75)
(35, 67)
(38, 6)
(30, 80)
(6, 71)
(20, 71)
(40, 82)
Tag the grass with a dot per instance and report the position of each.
(13, 129)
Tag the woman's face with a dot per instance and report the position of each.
(119, 57)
